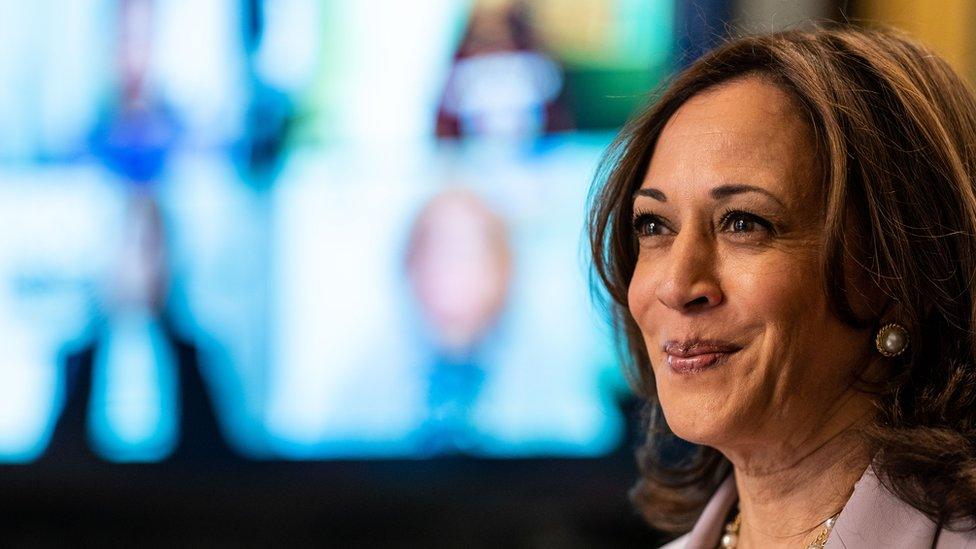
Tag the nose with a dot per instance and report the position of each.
(689, 282)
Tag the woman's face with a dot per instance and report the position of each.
(728, 287)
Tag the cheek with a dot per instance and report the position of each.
(640, 294)
(786, 302)
(778, 289)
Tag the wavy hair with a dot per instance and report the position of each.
(895, 134)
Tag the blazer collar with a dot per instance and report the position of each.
(873, 517)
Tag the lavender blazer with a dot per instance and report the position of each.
(873, 518)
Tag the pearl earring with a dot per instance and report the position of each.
(892, 340)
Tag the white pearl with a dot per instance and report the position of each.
(830, 522)
(894, 340)
(729, 541)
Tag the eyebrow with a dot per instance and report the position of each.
(718, 193)
(652, 193)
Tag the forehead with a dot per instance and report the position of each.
(747, 131)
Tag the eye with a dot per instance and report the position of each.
(735, 221)
(646, 224)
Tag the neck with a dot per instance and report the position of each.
(786, 506)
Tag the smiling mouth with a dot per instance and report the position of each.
(693, 356)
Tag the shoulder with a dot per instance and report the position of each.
(679, 543)
(955, 539)
(875, 517)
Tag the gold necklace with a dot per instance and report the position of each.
(730, 540)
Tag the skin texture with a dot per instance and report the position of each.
(780, 404)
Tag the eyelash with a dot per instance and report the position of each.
(731, 214)
(642, 218)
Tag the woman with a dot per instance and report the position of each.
(788, 240)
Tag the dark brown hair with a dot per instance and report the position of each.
(895, 131)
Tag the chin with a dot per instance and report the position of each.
(699, 407)
(692, 432)
(695, 421)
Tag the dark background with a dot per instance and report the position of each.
(445, 502)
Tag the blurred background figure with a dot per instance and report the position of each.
(459, 267)
(137, 129)
(134, 391)
(135, 140)
(498, 48)
(270, 269)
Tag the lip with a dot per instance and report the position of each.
(696, 355)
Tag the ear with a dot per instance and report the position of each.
(868, 301)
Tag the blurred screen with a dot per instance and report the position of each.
(309, 230)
